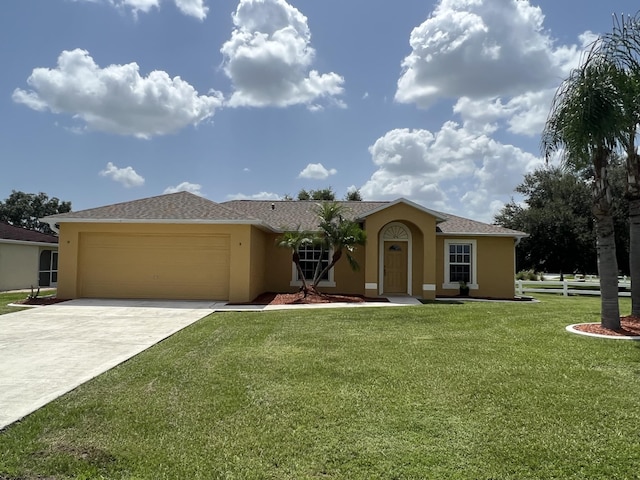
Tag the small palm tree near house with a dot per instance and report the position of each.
(295, 240)
(335, 233)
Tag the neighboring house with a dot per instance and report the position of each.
(182, 246)
(27, 258)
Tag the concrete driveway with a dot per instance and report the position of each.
(48, 351)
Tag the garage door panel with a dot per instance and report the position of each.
(154, 266)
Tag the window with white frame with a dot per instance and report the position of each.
(460, 263)
(309, 256)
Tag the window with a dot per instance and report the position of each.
(309, 255)
(460, 263)
(48, 276)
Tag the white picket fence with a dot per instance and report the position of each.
(567, 287)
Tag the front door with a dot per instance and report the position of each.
(395, 267)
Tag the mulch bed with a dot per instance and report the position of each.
(46, 300)
(629, 327)
(298, 298)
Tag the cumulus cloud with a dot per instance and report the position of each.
(446, 169)
(127, 176)
(186, 187)
(482, 49)
(193, 8)
(116, 99)
(523, 114)
(269, 55)
(317, 171)
(255, 196)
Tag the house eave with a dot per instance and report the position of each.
(28, 243)
(482, 234)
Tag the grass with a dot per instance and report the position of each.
(9, 297)
(479, 390)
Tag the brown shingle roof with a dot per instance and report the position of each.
(465, 226)
(173, 206)
(289, 215)
(285, 215)
(11, 232)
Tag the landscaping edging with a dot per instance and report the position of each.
(572, 329)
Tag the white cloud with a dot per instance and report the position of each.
(255, 196)
(186, 187)
(116, 98)
(127, 176)
(523, 114)
(317, 171)
(482, 49)
(193, 8)
(447, 170)
(268, 58)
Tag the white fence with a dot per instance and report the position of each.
(567, 287)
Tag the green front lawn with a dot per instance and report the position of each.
(479, 390)
(9, 297)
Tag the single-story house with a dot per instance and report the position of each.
(182, 246)
(27, 258)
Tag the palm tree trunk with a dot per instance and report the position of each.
(633, 193)
(608, 272)
(607, 261)
(296, 260)
(334, 259)
(634, 254)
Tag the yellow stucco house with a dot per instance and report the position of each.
(182, 246)
(27, 258)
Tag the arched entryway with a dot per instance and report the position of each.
(395, 249)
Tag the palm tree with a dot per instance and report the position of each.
(294, 240)
(622, 47)
(339, 234)
(334, 233)
(583, 124)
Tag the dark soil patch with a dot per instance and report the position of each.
(47, 300)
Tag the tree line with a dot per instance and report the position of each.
(556, 213)
(25, 209)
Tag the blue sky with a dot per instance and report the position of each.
(104, 101)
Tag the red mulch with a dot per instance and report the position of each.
(629, 327)
(299, 298)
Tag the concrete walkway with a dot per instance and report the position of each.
(47, 352)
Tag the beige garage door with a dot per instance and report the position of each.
(154, 266)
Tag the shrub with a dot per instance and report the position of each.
(526, 275)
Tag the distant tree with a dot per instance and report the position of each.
(353, 196)
(24, 209)
(325, 194)
(557, 216)
(304, 195)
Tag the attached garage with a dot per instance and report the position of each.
(117, 265)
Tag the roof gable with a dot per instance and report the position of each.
(438, 216)
(19, 234)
